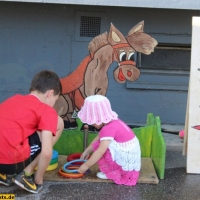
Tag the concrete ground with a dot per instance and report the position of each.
(176, 185)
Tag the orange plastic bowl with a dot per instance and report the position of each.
(69, 175)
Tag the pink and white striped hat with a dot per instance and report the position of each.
(97, 110)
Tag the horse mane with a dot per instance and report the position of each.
(98, 42)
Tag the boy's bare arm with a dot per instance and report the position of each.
(45, 155)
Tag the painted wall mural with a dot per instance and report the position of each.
(90, 77)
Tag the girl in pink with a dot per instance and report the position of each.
(116, 149)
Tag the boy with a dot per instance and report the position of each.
(29, 127)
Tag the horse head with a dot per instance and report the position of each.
(126, 48)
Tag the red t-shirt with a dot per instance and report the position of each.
(21, 116)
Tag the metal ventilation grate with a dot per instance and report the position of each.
(90, 26)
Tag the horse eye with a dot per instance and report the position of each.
(122, 56)
(131, 57)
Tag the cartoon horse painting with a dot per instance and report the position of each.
(91, 78)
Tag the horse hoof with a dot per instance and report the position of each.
(70, 125)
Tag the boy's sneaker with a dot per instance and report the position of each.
(6, 179)
(27, 183)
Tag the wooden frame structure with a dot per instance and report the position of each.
(191, 146)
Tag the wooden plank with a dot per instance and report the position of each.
(193, 140)
(185, 139)
(147, 173)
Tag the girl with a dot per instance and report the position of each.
(116, 149)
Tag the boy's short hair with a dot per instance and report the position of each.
(46, 80)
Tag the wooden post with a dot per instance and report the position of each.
(193, 107)
(85, 138)
(185, 139)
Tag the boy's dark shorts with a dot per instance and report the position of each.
(35, 145)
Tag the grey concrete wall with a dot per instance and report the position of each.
(42, 36)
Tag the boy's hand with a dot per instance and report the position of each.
(83, 168)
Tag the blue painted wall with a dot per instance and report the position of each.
(42, 36)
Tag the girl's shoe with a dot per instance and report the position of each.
(101, 175)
